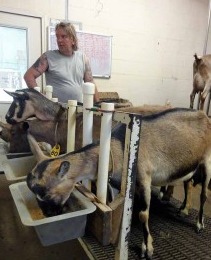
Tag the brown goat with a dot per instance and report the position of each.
(31, 102)
(201, 79)
(173, 143)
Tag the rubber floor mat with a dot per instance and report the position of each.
(174, 236)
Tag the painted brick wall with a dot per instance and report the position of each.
(153, 42)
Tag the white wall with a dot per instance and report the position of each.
(153, 42)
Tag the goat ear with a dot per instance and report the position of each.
(18, 94)
(38, 153)
(13, 94)
(63, 169)
(197, 58)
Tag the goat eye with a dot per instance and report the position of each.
(47, 198)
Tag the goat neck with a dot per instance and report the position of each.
(85, 164)
(85, 161)
(48, 110)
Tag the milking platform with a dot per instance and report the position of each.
(174, 236)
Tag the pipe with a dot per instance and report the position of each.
(204, 53)
(207, 32)
(105, 140)
(66, 10)
(205, 50)
(88, 97)
(71, 125)
(48, 91)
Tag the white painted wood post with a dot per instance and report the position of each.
(71, 125)
(88, 100)
(38, 89)
(128, 186)
(105, 140)
(54, 99)
(48, 91)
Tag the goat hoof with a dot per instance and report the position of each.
(148, 255)
(199, 227)
(198, 230)
(160, 195)
(143, 251)
(143, 255)
(183, 212)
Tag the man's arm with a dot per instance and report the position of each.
(37, 69)
(89, 78)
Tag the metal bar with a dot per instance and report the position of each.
(98, 109)
(66, 10)
(204, 53)
(88, 253)
(208, 104)
(207, 32)
(205, 50)
(128, 183)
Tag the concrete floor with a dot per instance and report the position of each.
(18, 242)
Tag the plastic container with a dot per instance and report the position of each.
(57, 229)
(17, 166)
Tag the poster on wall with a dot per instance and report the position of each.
(10, 78)
(97, 48)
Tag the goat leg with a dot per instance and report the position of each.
(145, 195)
(186, 205)
(192, 97)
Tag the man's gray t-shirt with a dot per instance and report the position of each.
(65, 74)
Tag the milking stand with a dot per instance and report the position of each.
(111, 223)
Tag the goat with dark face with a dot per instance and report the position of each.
(28, 103)
(50, 179)
(15, 136)
(49, 205)
(173, 143)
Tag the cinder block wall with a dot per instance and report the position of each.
(153, 42)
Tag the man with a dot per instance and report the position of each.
(65, 69)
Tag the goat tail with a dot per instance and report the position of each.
(197, 58)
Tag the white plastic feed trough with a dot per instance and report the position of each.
(17, 168)
(57, 229)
